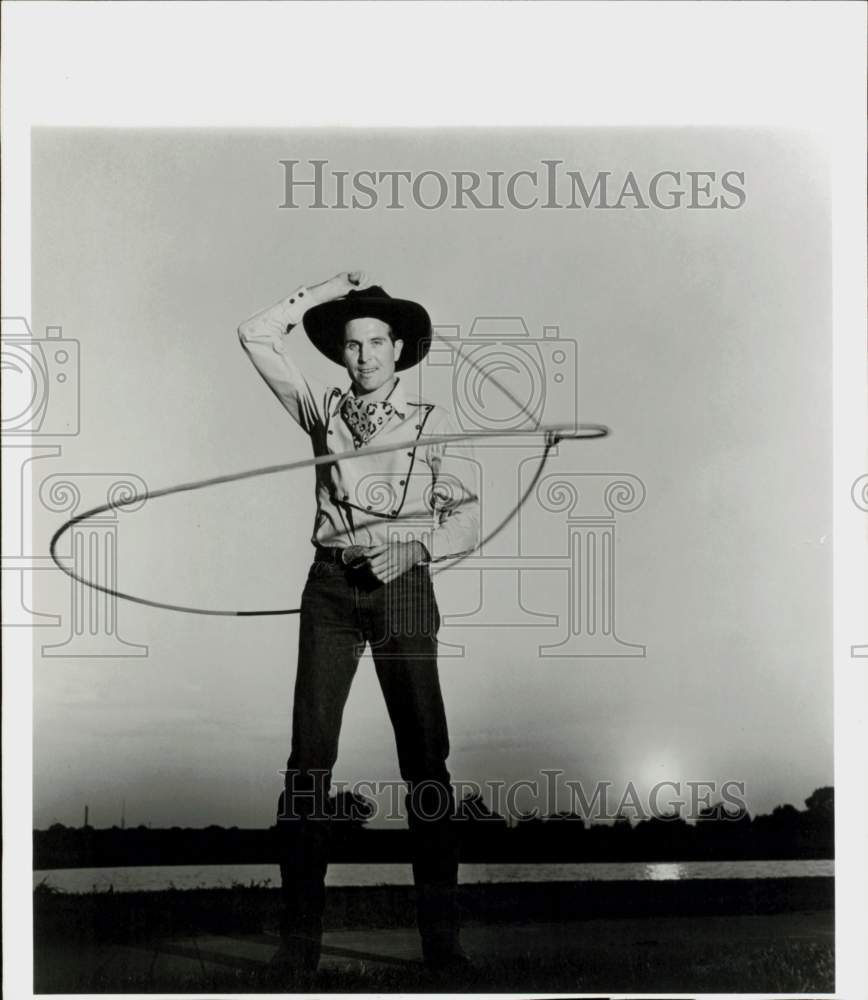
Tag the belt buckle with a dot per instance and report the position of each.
(352, 555)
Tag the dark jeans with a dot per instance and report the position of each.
(342, 610)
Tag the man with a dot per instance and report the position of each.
(380, 520)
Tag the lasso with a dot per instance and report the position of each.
(552, 434)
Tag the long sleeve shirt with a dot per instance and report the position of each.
(417, 493)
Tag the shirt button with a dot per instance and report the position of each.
(401, 482)
(418, 427)
(346, 496)
(368, 507)
(292, 301)
(394, 513)
(409, 454)
(301, 295)
(331, 431)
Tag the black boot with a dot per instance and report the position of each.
(302, 847)
(445, 955)
(430, 813)
(299, 950)
(438, 916)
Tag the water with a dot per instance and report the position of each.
(224, 876)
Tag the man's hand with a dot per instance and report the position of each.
(387, 562)
(338, 286)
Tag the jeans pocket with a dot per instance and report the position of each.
(316, 576)
(319, 569)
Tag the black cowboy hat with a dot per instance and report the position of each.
(409, 322)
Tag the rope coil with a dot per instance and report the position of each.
(552, 435)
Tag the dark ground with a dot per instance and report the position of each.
(772, 935)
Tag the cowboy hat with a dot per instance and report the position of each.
(409, 321)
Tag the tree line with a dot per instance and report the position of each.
(719, 833)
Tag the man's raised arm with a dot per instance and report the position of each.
(265, 337)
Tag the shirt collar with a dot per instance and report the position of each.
(396, 397)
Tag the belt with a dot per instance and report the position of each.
(342, 555)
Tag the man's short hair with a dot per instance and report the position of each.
(392, 335)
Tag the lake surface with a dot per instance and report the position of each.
(225, 876)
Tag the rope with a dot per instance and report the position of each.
(553, 435)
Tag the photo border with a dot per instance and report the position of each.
(786, 65)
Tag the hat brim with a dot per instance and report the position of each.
(409, 321)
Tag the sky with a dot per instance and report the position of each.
(703, 341)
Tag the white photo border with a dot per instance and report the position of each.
(797, 65)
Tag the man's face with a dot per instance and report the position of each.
(370, 353)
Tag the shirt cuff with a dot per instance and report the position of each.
(270, 324)
(295, 305)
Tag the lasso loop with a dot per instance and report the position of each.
(127, 498)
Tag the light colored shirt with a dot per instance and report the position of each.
(414, 493)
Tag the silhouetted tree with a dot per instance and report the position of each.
(821, 802)
(472, 809)
(818, 823)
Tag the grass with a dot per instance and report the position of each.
(788, 967)
(111, 942)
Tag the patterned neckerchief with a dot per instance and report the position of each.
(365, 419)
